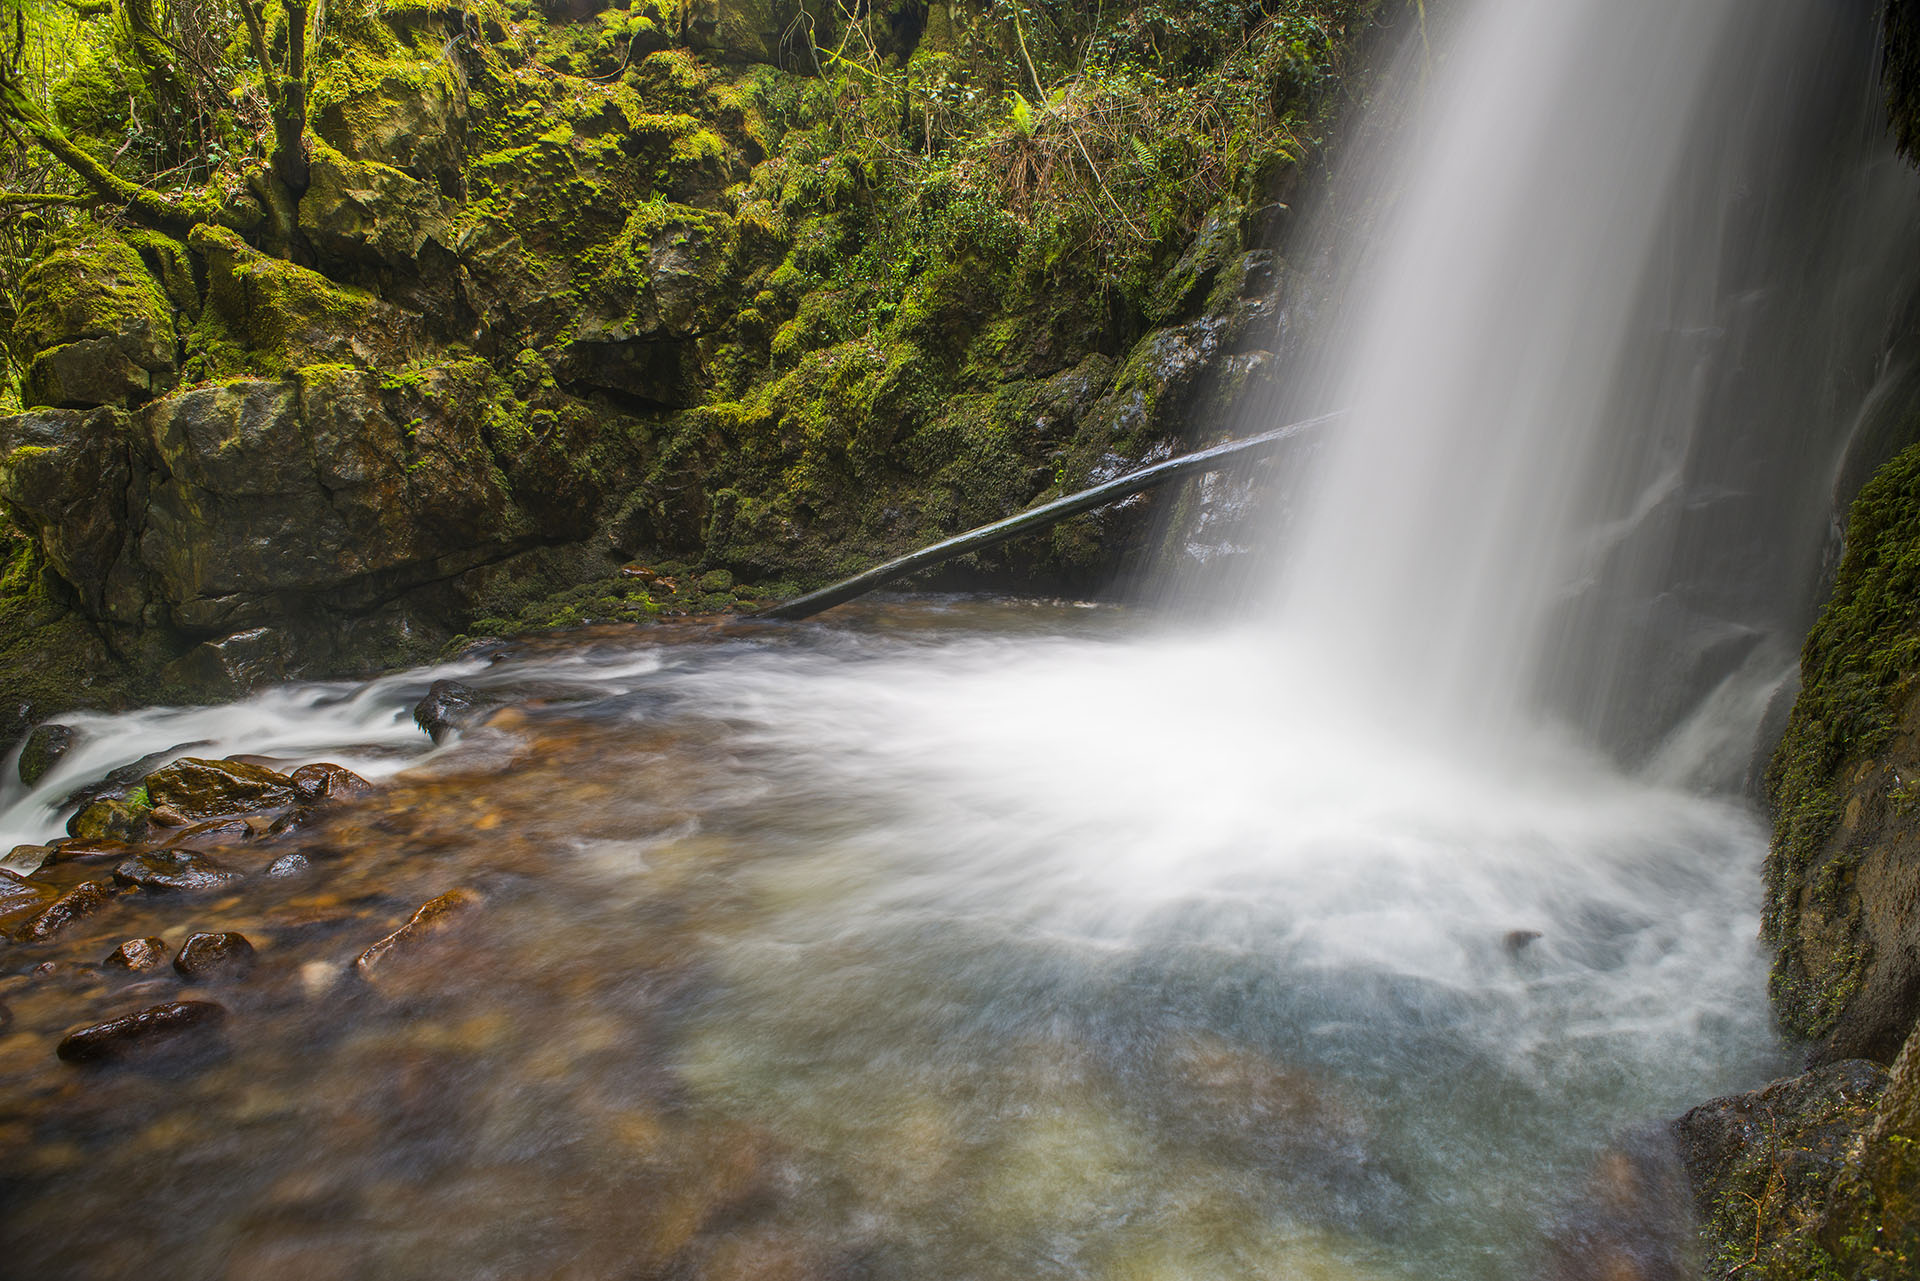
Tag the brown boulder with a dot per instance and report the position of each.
(146, 1030)
(197, 789)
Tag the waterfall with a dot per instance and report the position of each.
(1611, 283)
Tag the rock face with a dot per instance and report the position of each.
(1843, 875)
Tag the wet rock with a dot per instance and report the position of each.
(17, 892)
(137, 955)
(222, 953)
(44, 747)
(288, 865)
(1630, 1222)
(25, 860)
(211, 835)
(448, 706)
(81, 901)
(324, 782)
(1761, 1163)
(162, 1026)
(198, 789)
(105, 849)
(179, 871)
(111, 818)
(390, 958)
(126, 779)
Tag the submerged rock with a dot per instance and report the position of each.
(137, 955)
(162, 1026)
(180, 871)
(386, 963)
(44, 747)
(288, 865)
(205, 956)
(197, 789)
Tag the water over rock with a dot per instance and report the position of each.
(176, 1024)
(44, 747)
(221, 954)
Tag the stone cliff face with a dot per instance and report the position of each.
(738, 285)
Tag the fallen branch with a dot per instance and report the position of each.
(1038, 518)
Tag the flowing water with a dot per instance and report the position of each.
(972, 939)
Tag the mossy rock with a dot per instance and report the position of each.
(96, 326)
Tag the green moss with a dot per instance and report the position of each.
(267, 316)
(89, 283)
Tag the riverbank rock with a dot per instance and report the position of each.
(193, 790)
(222, 954)
(174, 1025)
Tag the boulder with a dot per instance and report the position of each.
(44, 747)
(137, 956)
(369, 212)
(193, 1023)
(196, 789)
(65, 475)
(223, 954)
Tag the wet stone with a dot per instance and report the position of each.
(1516, 941)
(138, 955)
(448, 706)
(325, 782)
(160, 1027)
(82, 900)
(44, 747)
(77, 850)
(222, 953)
(27, 859)
(288, 865)
(18, 893)
(181, 871)
(196, 789)
(227, 831)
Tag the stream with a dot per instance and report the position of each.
(949, 937)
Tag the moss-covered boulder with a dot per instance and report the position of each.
(269, 316)
(96, 327)
(362, 211)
